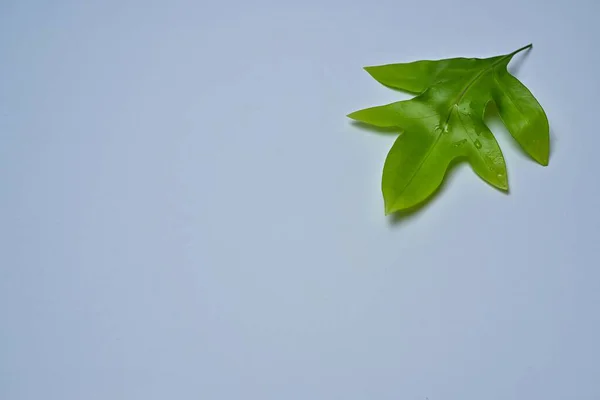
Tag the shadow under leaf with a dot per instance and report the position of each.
(553, 140)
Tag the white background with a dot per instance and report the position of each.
(186, 212)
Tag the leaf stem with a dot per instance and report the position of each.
(530, 45)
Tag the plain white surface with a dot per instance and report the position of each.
(186, 212)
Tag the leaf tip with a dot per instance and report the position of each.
(371, 70)
(388, 207)
(392, 206)
(541, 154)
(502, 183)
(543, 159)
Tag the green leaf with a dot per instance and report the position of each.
(444, 123)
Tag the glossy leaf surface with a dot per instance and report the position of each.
(444, 122)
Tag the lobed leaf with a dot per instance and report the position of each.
(444, 123)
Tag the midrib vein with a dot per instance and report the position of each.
(470, 84)
(453, 105)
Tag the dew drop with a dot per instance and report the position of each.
(477, 143)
